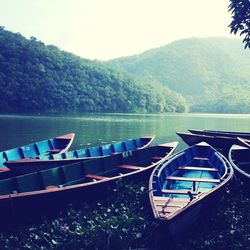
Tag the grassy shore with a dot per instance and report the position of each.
(123, 220)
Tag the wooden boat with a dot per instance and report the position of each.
(57, 144)
(220, 133)
(239, 157)
(220, 143)
(187, 184)
(244, 142)
(49, 161)
(42, 191)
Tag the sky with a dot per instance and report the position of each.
(107, 29)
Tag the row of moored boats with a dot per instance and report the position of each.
(38, 177)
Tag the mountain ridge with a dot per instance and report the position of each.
(35, 77)
(195, 68)
(200, 74)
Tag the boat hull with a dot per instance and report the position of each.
(239, 158)
(25, 166)
(51, 146)
(220, 133)
(186, 186)
(180, 226)
(222, 144)
(44, 192)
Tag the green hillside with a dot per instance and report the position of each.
(206, 71)
(39, 78)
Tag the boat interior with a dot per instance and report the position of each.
(104, 150)
(185, 176)
(117, 165)
(197, 169)
(35, 149)
(241, 157)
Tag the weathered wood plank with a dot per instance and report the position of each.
(177, 178)
(132, 167)
(197, 168)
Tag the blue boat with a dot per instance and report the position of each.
(186, 185)
(55, 145)
(231, 134)
(239, 157)
(220, 143)
(43, 162)
(43, 192)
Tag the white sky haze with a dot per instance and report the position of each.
(106, 29)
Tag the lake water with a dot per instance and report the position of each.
(96, 129)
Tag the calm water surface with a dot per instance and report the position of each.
(96, 129)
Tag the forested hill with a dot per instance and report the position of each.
(213, 74)
(39, 78)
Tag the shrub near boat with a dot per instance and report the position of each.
(186, 185)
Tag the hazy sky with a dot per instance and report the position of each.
(105, 29)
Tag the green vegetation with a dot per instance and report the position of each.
(240, 11)
(200, 75)
(205, 71)
(234, 100)
(39, 78)
(123, 220)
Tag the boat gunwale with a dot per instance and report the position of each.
(238, 169)
(205, 136)
(71, 139)
(41, 161)
(198, 197)
(218, 133)
(82, 185)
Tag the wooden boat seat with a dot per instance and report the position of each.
(4, 170)
(51, 187)
(197, 168)
(97, 177)
(53, 151)
(156, 158)
(177, 178)
(175, 201)
(179, 191)
(201, 158)
(194, 180)
(64, 137)
(132, 167)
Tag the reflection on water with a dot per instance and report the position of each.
(96, 129)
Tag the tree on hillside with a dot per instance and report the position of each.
(240, 10)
